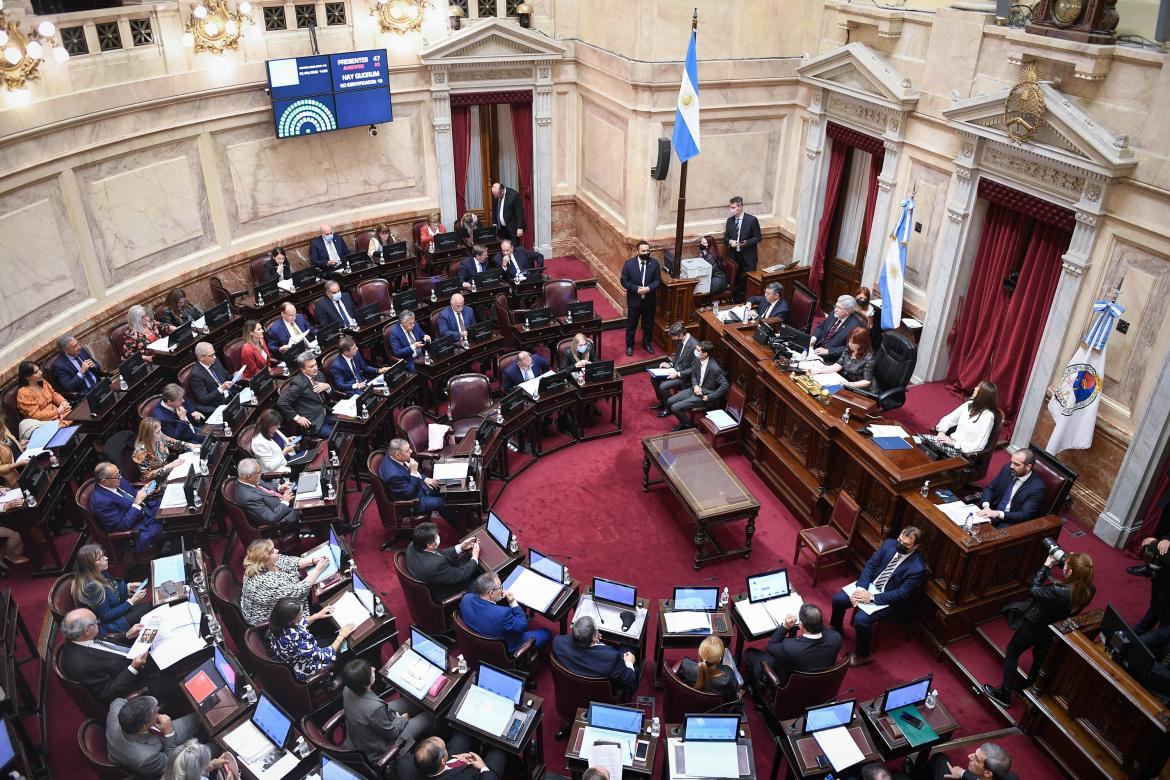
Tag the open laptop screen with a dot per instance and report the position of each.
(829, 716)
(904, 695)
(771, 585)
(428, 648)
(711, 728)
(269, 719)
(615, 593)
(609, 716)
(498, 681)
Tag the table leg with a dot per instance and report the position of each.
(658, 653)
(748, 533)
(700, 540)
(738, 647)
(646, 473)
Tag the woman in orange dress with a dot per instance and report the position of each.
(36, 400)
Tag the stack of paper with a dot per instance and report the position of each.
(896, 431)
(286, 285)
(216, 417)
(9, 495)
(869, 608)
(624, 739)
(722, 420)
(839, 747)
(450, 470)
(436, 435)
(661, 373)
(162, 345)
(490, 712)
(199, 324)
(247, 396)
(829, 380)
(740, 312)
(346, 407)
(533, 385)
(170, 633)
(186, 460)
(533, 590)
(688, 623)
(173, 497)
(348, 609)
(605, 756)
(413, 673)
(958, 511)
(768, 615)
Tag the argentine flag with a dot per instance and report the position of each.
(894, 268)
(686, 114)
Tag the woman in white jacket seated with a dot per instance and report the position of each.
(277, 454)
(973, 422)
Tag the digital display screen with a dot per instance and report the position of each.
(711, 728)
(320, 93)
(700, 599)
(912, 693)
(359, 70)
(542, 564)
(428, 648)
(225, 669)
(498, 531)
(606, 716)
(497, 681)
(269, 719)
(762, 587)
(829, 716)
(335, 770)
(299, 76)
(7, 752)
(614, 592)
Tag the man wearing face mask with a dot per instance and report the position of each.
(336, 307)
(641, 278)
(327, 252)
(890, 580)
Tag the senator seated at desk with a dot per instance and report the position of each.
(476, 264)
(815, 648)
(399, 472)
(211, 384)
(115, 506)
(372, 724)
(178, 310)
(967, 429)
(117, 604)
(407, 339)
(336, 307)
(277, 268)
(771, 305)
(513, 261)
(156, 455)
(270, 576)
(855, 364)
(705, 384)
(680, 360)
(75, 371)
(483, 614)
(254, 355)
(444, 572)
(276, 454)
(582, 353)
(1015, 495)
(455, 319)
(526, 367)
(36, 400)
(292, 643)
(709, 673)
(583, 653)
(305, 400)
(890, 580)
(988, 762)
(430, 758)
(349, 372)
(141, 740)
(828, 340)
(264, 503)
(141, 332)
(327, 251)
(99, 664)
(290, 334)
(176, 414)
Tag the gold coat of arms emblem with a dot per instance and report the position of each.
(1023, 113)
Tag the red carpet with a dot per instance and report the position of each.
(567, 267)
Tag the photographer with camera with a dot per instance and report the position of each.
(1048, 602)
(1156, 553)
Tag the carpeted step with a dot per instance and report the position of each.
(975, 663)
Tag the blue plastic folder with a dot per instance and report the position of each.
(891, 443)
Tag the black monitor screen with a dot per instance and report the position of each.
(407, 299)
(445, 288)
(1123, 644)
(217, 315)
(319, 93)
(394, 251)
(303, 277)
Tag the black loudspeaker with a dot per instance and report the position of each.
(658, 172)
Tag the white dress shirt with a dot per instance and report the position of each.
(970, 434)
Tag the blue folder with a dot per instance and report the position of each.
(891, 443)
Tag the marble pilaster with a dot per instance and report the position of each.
(542, 162)
(811, 198)
(880, 224)
(444, 145)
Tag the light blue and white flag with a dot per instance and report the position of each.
(1078, 392)
(893, 275)
(686, 114)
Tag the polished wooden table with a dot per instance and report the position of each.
(705, 486)
(528, 747)
(720, 627)
(578, 762)
(674, 752)
(890, 741)
(799, 751)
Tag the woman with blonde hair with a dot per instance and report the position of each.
(709, 673)
(270, 576)
(156, 454)
(427, 233)
(117, 604)
(141, 331)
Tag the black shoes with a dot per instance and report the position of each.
(664, 413)
(629, 351)
(1141, 570)
(656, 405)
(998, 695)
(649, 348)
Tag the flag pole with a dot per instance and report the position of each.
(682, 187)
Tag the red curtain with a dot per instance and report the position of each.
(461, 140)
(837, 158)
(522, 134)
(875, 170)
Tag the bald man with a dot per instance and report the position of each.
(527, 366)
(327, 252)
(456, 319)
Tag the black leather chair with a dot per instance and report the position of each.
(892, 369)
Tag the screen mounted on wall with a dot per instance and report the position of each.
(326, 92)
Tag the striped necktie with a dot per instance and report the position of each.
(884, 577)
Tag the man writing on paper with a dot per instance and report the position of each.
(814, 651)
(583, 653)
(211, 384)
(682, 360)
(263, 503)
(1015, 495)
(890, 579)
(484, 615)
(444, 572)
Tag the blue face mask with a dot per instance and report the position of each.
(336, 296)
(582, 348)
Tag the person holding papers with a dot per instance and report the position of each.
(432, 759)
(349, 372)
(270, 576)
(681, 360)
(814, 650)
(264, 503)
(335, 307)
(709, 673)
(141, 332)
(254, 355)
(117, 604)
(36, 400)
(771, 305)
(193, 761)
(211, 384)
(177, 415)
(476, 264)
(292, 643)
(1015, 495)
(373, 724)
(304, 400)
(884, 591)
(407, 339)
(75, 371)
(399, 471)
(855, 364)
(287, 336)
(828, 340)
(444, 572)
(454, 320)
(272, 448)
(706, 384)
(483, 613)
(327, 252)
(156, 454)
(968, 428)
(178, 310)
(116, 507)
(526, 367)
(141, 740)
(583, 653)
(102, 668)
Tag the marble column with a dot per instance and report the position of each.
(880, 224)
(943, 293)
(811, 198)
(1073, 265)
(444, 145)
(542, 159)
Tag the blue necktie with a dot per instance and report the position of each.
(1007, 497)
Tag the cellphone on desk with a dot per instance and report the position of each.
(913, 721)
(641, 750)
(823, 761)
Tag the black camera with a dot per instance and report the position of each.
(1054, 550)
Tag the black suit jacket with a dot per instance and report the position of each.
(684, 357)
(205, 394)
(770, 311)
(444, 571)
(1027, 504)
(632, 279)
(467, 268)
(597, 661)
(836, 344)
(715, 384)
(749, 233)
(298, 398)
(900, 589)
(513, 213)
(789, 653)
(319, 254)
(261, 508)
(270, 272)
(325, 310)
(105, 675)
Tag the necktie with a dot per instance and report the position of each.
(409, 336)
(459, 320)
(85, 377)
(642, 268)
(331, 248)
(834, 329)
(293, 329)
(702, 372)
(884, 577)
(738, 229)
(345, 320)
(527, 374)
(502, 194)
(1006, 501)
(352, 370)
(266, 491)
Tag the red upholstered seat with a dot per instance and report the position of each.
(184, 376)
(117, 338)
(258, 266)
(233, 354)
(679, 698)
(558, 294)
(361, 242)
(91, 740)
(61, 597)
(432, 617)
(1057, 477)
(507, 319)
(399, 517)
(10, 408)
(573, 691)
(832, 539)
(147, 406)
(374, 291)
(119, 545)
(802, 307)
(469, 395)
(734, 408)
(225, 595)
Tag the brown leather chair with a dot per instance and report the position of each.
(233, 355)
(506, 319)
(10, 409)
(416, 234)
(119, 545)
(118, 338)
(558, 294)
(431, 617)
(245, 532)
(434, 321)
(734, 402)
(361, 241)
(244, 440)
(325, 361)
(572, 691)
(469, 395)
(731, 271)
(158, 310)
(424, 285)
(324, 729)
(225, 593)
(184, 377)
(412, 425)
(977, 464)
(1058, 479)
(788, 701)
(147, 405)
(398, 517)
(452, 267)
(221, 294)
(479, 649)
(298, 699)
(679, 698)
(802, 307)
(85, 701)
(831, 539)
(91, 740)
(61, 597)
(374, 291)
(504, 362)
(259, 269)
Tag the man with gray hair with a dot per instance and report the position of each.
(771, 305)
(483, 613)
(828, 340)
(75, 371)
(211, 384)
(99, 665)
(399, 473)
(583, 653)
(407, 339)
(140, 739)
(263, 502)
(988, 762)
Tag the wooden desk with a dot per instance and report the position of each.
(1089, 715)
(758, 279)
(741, 357)
(528, 747)
(492, 557)
(705, 486)
(889, 739)
(672, 746)
(435, 373)
(438, 703)
(306, 763)
(229, 706)
(613, 633)
(720, 627)
(799, 751)
(374, 631)
(742, 632)
(641, 768)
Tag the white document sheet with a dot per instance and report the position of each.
(179, 473)
(782, 607)
(623, 738)
(247, 396)
(413, 674)
(868, 609)
(738, 311)
(255, 750)
(347, 407)
(607, 757)
(839, 748)
(531, 589)
(957, 511)
(532, 385)
(713, 759)
(286, 285)
(170, 633)
(348, 609)
(755, 616)
(216, 417)
(609, 616)
(723, 421)
(688, 622)
(889, 430)
(173, 497)
(452, 469)
(330, 551)
(436, 434)
(11, 494)
(485, 710)
(659, 372)
(162, 345)
(151, 624)
(911, 323)
(829, 380)
(199, 324)
(813, 362)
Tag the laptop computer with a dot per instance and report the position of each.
(334, 551)
(536, 318)
(407, 299)
(581, 310)
(797, 339)
(696, 599)
(260, 384)
(445, 288)
(304, 277)
(611, 598)
(828, 716)
(480, 331)
(368, 314)
(506, 686)
(764, 334)
(485, 234)
(442, 347)
(542, 564)
(907, 694)
(274, 726)
(493, 551)
(601, 371)
(710, 746)
(335, 770)
(217, 315)
(613, 723)
(358, 261)
(422, 663)
(309, 485)
(444, 241)
(513, 403)
(209, 678)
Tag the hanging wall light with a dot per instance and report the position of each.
(21, 55)
(214, 27)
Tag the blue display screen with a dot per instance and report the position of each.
(305, 116)
(299, 77)
(710, 728)
(830, 716)
(320, 93)
(366, 107)
(606, 716)
(496, 681)
(269, 719)
(359, 70)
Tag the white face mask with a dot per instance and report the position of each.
(336, 296)
(328, 236)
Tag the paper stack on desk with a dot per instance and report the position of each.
(255, 751)
(734, 313)
(216, 417)
(170, 633)
(346, 407)
(768, 615)
(488, 711)
(450, 471)
(436, 435)
(829, 380)
(532, 386)
(162, 345)
(173, 497)
(413, 673)
(839, 747)
(348, 609)
(187, 460)
(533, 590)
(661, 373)
(959, 510)
(721, 419)
(286, 285)
(688, 623)
(889, 430)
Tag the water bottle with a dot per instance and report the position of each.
(391, 312)
(461, 664)
(932, 699)
(433, 296)
(29, 499)
(473, 285)
(655, 727)
(969, 524)
(53, 462)
(364, 412)
(845, 415)
(471, 483)
(259, 298)
(476, 450)
(227, 428)
(333, 459)
(513, 545)
(715, 308)
(925, 489)
(203, 465)
(500, 415)
(122, 385)
(724, 597)
(329, 495)
(249, 694)
(430, 246)
(379, 610)
(569, 318)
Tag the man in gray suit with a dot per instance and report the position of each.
(263, 502)
(444, 572)
(140, 739)
(373, 725)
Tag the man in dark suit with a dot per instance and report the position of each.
(705, 384)
(814, 651)
(682, 359)
(771, 305)
(431, 756)
(508, 212)
(1015, 495)
(988, 762)
(583, 653)
(483, 613)
(640, 277)
(327, 251)
(74, 371)
(890, 579)
(176, 415)
(336, 307)
(264, 503)
(828, 340)
(527, 366)
(99, 665)
(290, 334)
(349, 372)
(211, 384)
(399, 472)
(373, 724)
(741, 235)
(513, 260)
(444, 572)
(476, 264)
(455, 319)
(407, 339)
(305, 401)
(116, 507)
